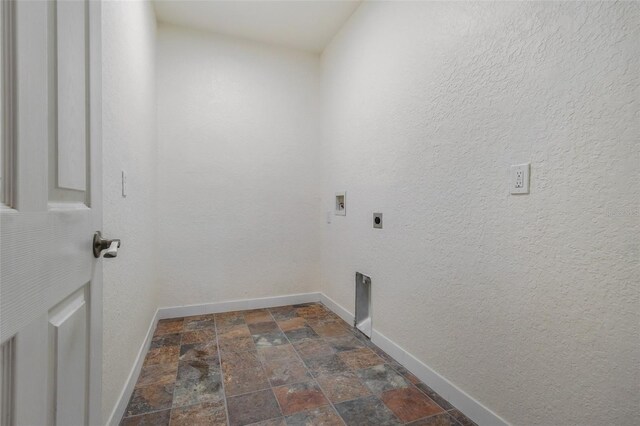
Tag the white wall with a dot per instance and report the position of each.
(129, 143)
(238, 134)
(528, 303)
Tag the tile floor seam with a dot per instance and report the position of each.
(420, 390)
(371, 393)
(224, 391)
(336, 334)
(274, 394)
(324, 393)
(250, 392)
(353, 370)
(433, 415)
(177, 369)
(145, 413)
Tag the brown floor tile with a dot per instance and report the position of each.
(159, 373)
(283, 347)
(327, 320)
(150, 398)
(407, 374)
(382, 354)
(263, 327)
(360, 358)
(205, 351)
(301, 333)
(237, 344)
(271, 422)
(169, 326)
(229, 319)
(409, 404)
(258, 315)
(229, 316)
(162, 355)
(197, 369)
(344, 343)
(292, 323)
(286, 370)
(331, 330)
(434, 395)
(381, 378)
(224, 329)
(199, 336)
(313, 312)
(205, 414)
(158, 418)
(234, 331)
(252, 408)
(198, 381)
(366, 411)
(461, 418)
(196, 318)
(283, 312)
(198, 322)
(267, 353)
(342, 387)
(233, 361)
(323, 416)
(299, 397)
(194, 391)
(443, 419)
(166, 340)
(248, 380)
(313, 348)
(326, 365)
(274, 338)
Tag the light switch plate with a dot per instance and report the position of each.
(519, 178)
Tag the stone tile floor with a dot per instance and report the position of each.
(291, 365)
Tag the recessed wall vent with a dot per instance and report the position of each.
(363, 304)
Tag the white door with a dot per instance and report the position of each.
(50, 282)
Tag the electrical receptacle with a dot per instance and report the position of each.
(520, 178)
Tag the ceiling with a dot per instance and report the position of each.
(302, 24)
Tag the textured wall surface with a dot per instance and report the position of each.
(238, 134)
(129, 143)
(528, 303)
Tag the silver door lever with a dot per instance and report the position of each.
(100, 244)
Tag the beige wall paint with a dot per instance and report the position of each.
(527, 303)
(238, 141)
(129, 143)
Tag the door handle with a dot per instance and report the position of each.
(100, 244)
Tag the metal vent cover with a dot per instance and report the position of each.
(362, 319)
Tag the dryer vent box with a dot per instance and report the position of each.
(362, 320)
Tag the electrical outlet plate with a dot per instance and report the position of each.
(377, 220)
(341, 204)
(519, 178)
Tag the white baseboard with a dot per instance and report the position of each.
(125, 395)
(237, 305)
(457, 397)
(189, 310)
(337, 309)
